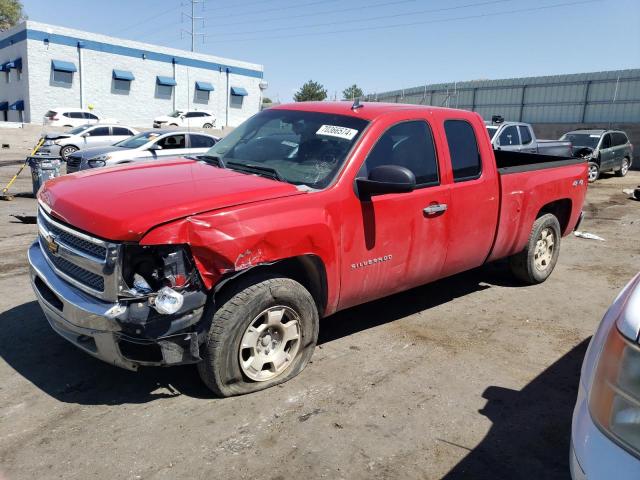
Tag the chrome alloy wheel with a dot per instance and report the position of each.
(625, 167)
(270, 343)
(593, 172)
(543, 253)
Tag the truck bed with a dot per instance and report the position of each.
(516, 162)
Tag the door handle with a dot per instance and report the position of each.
(433, 209)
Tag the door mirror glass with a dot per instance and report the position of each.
(86, 134)
(154, 147)
(386, 179)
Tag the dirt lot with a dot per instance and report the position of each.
(470, 377)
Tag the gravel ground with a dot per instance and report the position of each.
(470, 377)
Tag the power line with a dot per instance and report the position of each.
(255, 12)
(366, 19)
(158, 15)
(410, 24)
(314, 14)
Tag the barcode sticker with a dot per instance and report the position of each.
(335, 131)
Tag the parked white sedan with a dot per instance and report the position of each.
(186, 118)
(152, 145)
(605, 434)
(84, 136)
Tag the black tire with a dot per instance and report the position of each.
(68, 126)
(220, 368)
(523, 264)
(594, 172)
(207, 125)
(173, 124)
(624, 168)
(67, 150)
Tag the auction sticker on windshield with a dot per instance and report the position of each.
(335, 131)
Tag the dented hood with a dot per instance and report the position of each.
(123, 203)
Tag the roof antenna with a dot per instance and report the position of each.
(356, 104)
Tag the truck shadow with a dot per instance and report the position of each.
(531, 427)
(33, 350)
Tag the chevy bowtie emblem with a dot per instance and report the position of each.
(51, 243)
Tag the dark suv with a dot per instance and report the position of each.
(606, 150)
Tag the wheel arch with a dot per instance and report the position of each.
(308, 270)
(561, 209)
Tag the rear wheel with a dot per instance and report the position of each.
(594, 171)
(624, 168)
(207, 125)
(536, 262)
(262, 334)
(67, 150)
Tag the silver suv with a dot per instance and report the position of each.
(605, 150)
(84, 136)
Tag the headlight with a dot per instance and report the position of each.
(614, 399)
(96, 163)
(47, 143)
(57, 142)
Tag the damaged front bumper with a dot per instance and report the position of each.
(125, 334)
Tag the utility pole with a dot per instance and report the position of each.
(193, 19)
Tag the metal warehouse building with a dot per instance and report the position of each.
(583, 98)
(44, 66)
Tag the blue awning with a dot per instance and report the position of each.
(239, 91)
(19, 105)
(167, 81)
(4, 106)
(17, 63)
(123, 75)
(204, 86)
(60, 66)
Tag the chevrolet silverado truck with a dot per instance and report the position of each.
(520, 137)
(230, 259)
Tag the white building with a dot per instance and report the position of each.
(44, 66)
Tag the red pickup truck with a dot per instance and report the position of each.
(230, 259)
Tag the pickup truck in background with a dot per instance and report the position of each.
(230, 260)
(519, 137)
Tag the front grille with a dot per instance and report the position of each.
(73, 163)
(74, 241)
(93, 281)
(88, 263)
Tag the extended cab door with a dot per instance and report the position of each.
(526, 138)
(474, 197)
(398, 240)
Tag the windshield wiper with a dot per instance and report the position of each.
(212, 159)
(257, 169)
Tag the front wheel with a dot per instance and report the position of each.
(594, 171)
(624, 168)
(262, 334)
(207, 125)
(536, 262)
(66, 151)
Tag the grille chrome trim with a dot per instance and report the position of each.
(71, 255)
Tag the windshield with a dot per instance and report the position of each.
(492, 131)
(78, 130)
(175, 114)
(137, 140)
(304, 148)
(582, 139)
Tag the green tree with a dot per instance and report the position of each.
(310, 91)
(11, 13)
(353, 92)
(267, 100)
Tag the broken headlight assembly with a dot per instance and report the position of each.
(614, 399)
(163, 274)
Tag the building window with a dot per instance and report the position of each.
(121, 82)
(203, 92)
(62, 73)
(237, 97)
(164, 87)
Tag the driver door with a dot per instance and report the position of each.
(174, 145)
(398, 240)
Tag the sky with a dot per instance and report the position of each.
(380, 45)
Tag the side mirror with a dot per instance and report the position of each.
(386, 179)
(85, 135)
(155, 147)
